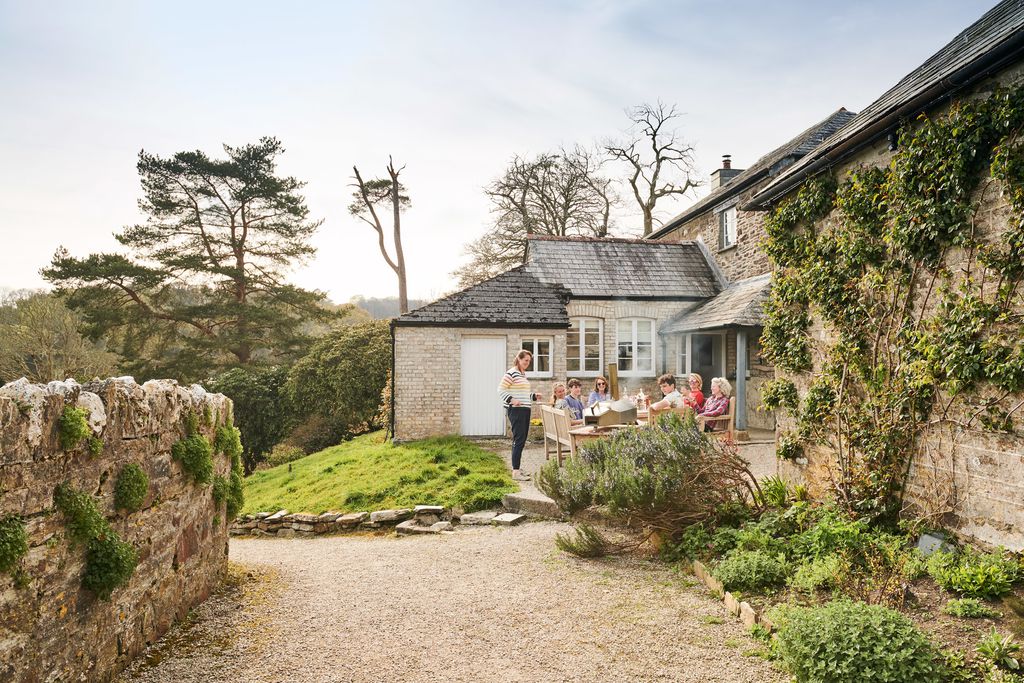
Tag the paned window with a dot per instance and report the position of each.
(583, 346)
(682, 354)
(540, 364)
(635, 344)
(727, 228)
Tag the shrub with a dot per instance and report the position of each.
(665, 478)
(833, 531)
(72, 427)
(262, 412)
(774, 492)
(693, 544)
(820, 572)
(750, 571)
(284, 453)
(131, 488)
(95, 445)
(851, 642)
(196, 457)
(109, 561)
(970, 608)
(779, 393)
(228, 441)
(1001, 653)
(585, 541)
(13, 542)
(973, 574)
(220, 489)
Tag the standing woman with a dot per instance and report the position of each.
(517, 397)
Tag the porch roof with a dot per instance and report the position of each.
(739, 305)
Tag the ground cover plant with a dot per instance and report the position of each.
(367, 473)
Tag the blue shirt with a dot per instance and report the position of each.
(576, 406)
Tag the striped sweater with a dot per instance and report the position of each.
(515, 387)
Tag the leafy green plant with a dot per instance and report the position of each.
(284, 453)
(109, 561)
(131, 488)
(820, 572)
(95, 445)
(851, 642)
(779, 393)
(196, 457)
(1001, 652)
(958, 668)
(693, 544)
(220, 489)
(774, 492)
(789, 447)
(970, 608)
(750, 571)
(975, 575)
(72, 427)
(228, 441)
(13, 542)
(263, 413)
(584, 541)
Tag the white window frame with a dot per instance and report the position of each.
(654, 348)
(533, 350)
(724, 224)
(583, 347)
(682, 355)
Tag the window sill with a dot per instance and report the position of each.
(539, 375)
(722, 250)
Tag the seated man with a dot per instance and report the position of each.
(673, 399)
(573, 401)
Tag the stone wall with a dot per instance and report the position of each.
(51, 628)
(977, 475)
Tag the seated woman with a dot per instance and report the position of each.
(696, 398)
(673, 399)
(573, 401)
(558, 396)
(600, 392)
(717, 403)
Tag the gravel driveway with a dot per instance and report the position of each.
(482, 604)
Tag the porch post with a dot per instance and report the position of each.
(741, 379)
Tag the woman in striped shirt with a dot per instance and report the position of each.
(515, 394)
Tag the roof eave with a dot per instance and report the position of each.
(960, 79)
(692, 213)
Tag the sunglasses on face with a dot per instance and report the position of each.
(601, 384)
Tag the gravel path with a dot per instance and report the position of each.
(483, 604)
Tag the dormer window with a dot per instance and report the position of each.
(727, 228)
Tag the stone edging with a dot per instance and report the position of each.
(423, 519)
(742, 609)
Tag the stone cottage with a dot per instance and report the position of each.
(685, 300)
(962, 473)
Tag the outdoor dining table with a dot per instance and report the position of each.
(581, 435)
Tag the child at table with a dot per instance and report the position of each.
(573, 401)
(673, 399)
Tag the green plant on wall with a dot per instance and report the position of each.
(920, 307)
(109, 561)
(229, 442)
(13, 542)
(131, 488)
(72, 427)
(196, 457)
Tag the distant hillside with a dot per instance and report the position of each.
(384, 307)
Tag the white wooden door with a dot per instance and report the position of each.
(483, 364)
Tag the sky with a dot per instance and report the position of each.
(452, 90)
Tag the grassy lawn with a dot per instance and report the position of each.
(365, 474)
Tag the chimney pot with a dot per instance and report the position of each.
(726, 161)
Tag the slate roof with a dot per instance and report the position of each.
(986, 45)
(738, 305)
(622, 268)
(516, 298)
(787, 153)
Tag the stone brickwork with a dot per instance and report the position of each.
(978, 475)
(50, 627)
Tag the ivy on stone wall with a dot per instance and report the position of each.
(109, 561)
(72, 427)
(13, 543)
(922, 309)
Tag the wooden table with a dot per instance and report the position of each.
(591, 432)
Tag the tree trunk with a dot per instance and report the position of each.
(403, 296)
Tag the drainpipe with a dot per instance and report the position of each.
(391, 416)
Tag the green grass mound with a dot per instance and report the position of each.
(366, 474)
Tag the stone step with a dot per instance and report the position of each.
(531, 503)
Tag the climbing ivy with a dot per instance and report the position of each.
(922, 310)
(72, 427)
(131, 488)
(13, 542)
(109, 561)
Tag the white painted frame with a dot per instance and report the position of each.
(600, 343)
(654, 347)
(533, 351)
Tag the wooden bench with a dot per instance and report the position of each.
(728, 420)
(556, 429)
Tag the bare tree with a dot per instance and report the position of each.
(370, 194)
(557, 193)
(660, 163)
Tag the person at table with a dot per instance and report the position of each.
(574, 401)
(673, 399)
(696, 398)
(717, 403)
(558, 396)
(600, 392)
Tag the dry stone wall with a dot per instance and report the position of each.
(51, 628)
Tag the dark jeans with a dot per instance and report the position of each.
(519, 418)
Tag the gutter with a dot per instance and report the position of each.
(942, 89)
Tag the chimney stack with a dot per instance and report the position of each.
(725, 174)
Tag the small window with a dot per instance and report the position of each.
(540, 364)
(635, 346)
(682, 349)
(727, 228)
(583, 347)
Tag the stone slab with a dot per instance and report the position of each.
(390, 516)
(747, 615)
(410, 527)
(533, 504)
(328, 517)
(508, 519)
(286, 533)
(474, 518)
(429, 509)
(353, 519)
(277, 516)
(438, 527)
(304, 518)
(731, 603)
